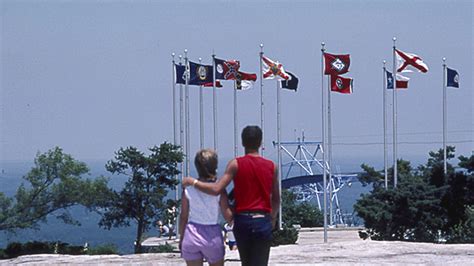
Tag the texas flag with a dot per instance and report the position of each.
(336, 64)
(341, 84)
(408, 62)
(402, 82)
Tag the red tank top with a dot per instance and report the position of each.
(253, 184)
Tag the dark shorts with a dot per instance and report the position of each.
(203, 241)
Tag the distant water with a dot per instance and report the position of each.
(55, 230)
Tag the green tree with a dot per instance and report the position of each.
(150, 179)
(304, 213)
(425, 203)
(54, 185)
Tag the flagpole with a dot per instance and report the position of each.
(175, 141)
(181, 138)
(201, 116)
(235, 119)
(384, 126)
(181, 117)
(323, 112)
(279, 146)
(329, 149)
(445, 164)
(186, 106)
(261, 100)
(394, 93)
(214, 99)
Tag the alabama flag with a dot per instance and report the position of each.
(341, 84)
(408, 62)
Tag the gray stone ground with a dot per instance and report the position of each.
(344, 247)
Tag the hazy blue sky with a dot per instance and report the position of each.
(93, 76)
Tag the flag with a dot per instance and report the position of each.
(272, 69)
(407, 62)
(243, 84)
(194, 79)
(452, 78)
(336, 64)
(291, 84)
(226, 70)
(341, 84)
(402, 82)
(244, 81)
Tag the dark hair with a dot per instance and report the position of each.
(252, 137)
(206, 163)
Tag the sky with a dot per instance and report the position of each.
(94, 76)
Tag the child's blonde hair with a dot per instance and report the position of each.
(206, 163)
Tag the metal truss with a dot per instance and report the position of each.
(302, 172)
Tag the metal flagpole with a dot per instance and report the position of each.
(214, 98)
(261, 101)
(323, 112)
(174, 99)
(445, 165)
(181, 136)
(181, 117)
(175, 141)
(329, 149)
(186, 107)
(384, 126)
(235, 119)
(394, 93)
(279, 146)
(201, 115)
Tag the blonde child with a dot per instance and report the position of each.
(200, 232)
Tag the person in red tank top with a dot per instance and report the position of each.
(257, 198)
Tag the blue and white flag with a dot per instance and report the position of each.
(452, 78)
(198, 74)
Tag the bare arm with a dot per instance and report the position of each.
(219, 186)
(225, 208)
(275, 196)
(183, 217)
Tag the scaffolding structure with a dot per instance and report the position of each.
(302, 172)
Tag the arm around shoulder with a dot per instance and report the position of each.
(221, 184)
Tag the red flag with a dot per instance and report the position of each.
(336, 64)
(341, 84)
(407, 61)
(246, 76)
(209, 84)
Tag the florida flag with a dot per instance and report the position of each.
(408, 62)
(273, 69)
(341, 84)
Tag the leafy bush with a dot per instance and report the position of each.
(463, 232)
(166, 248)
(304, 214)
(106, 249)
(287, 236)
(16, 249)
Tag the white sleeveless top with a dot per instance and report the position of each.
(203, 208)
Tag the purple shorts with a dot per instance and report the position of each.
(203, 241)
